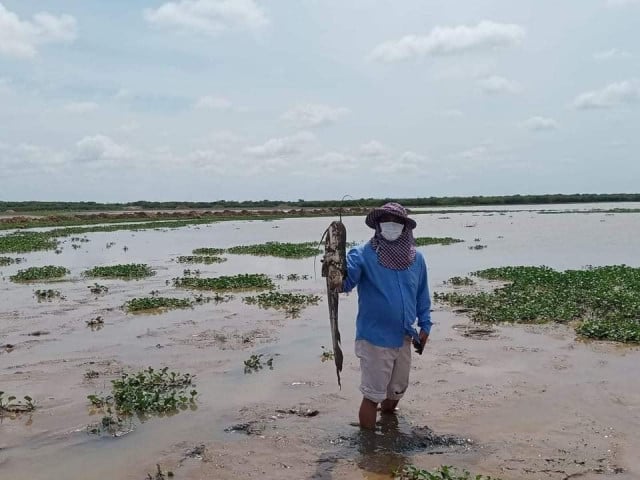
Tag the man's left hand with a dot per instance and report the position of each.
(424, 336)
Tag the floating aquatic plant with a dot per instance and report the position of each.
(124, 271)
(98, 289)
(411, 472)
(49, 272)
(208, 251)
(604, 301)
(254, 363)
(48, 294)
(278, 249)
(154, 303)
(4, 261)
(424, 241)
(292, 303)
(206, 259)
(248, 281)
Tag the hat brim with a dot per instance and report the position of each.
(372, 218)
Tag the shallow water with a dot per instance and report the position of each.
(52, 443)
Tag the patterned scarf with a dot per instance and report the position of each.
(397, 255)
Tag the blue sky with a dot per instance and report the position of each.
(244, 99)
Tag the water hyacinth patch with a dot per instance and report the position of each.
(206, 259)
(156, 303)
(22, 242)
(424, 241)
(247, 281)
(604, 301)
(278, 249)
(48, 294)
(292, 303)
(208, 251)
(49, 272)
(123, 271)
(4, 261)
(411, 472)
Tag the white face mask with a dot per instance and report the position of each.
(391, 230)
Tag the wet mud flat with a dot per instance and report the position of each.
(516, 402)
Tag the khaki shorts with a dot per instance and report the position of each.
(384, 371)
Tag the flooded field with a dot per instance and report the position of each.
(521, 402)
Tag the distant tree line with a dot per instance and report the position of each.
(361, 202)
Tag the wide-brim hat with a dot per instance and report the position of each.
(390, 208)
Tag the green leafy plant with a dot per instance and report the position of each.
(206, 259)
(277, 249)
(208, 251)
(154, 303)
(292, 303)
(460, 281)
(604, 302)
(124, 271)
(254, 363)
(250, 281)
(424, 241)
(411, 472)
(49, 272)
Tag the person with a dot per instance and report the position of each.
(393, 292)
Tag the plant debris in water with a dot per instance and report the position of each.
(48, 294)
(95, 323)
(278, 249)
(9, 405)
(327, 355)
(98, 289)
(460, 281)
(247, 281)
(125, 271)
(424, 241)
(411, 472)
(4, 261)
(255, 363)
(154, 303)
(159, 475)
(292, 303)
(292, 277)
(605, 301)
(206, 259)
(49, 272)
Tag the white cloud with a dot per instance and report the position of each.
(612, 95)
(450, 40)
(408, 162)
(209, 17)
(281, 147)
(312, 115)
(28, 157)
(611, 54)
(539, 124)
(21, 38)
(495, 85)
(374, 149)
(213, 103)
(81, 107)
(101, 150)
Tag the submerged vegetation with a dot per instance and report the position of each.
(254, 363)
(424, 241)
(49, 272)
(411, 472)
(604, 301)
(278, 249)
(292, 303)
(125, 271)
(47, 294)
(246, 281)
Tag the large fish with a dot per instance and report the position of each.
(334, 268)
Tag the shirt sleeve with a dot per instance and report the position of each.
(354, 270)
(424, 301)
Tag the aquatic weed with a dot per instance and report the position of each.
(208, 251)
(123, 271)
(48, 294)
(278, 249)
(411, 472)
(292, 303)
(424, 241)
(206, 259)
(49, 272)
(248, 281)
(154, 303)
(254, 363)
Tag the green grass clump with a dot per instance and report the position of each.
(292, 303)
(424, 241)
(49, 272)
(277, 249)
(411, 472)
(206, 259)
(248, 281)
(208, 251)
(126, 271)
(605, 301)
(154, 303)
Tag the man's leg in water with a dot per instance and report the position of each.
(367, 414)
(389, 406)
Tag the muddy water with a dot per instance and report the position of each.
(582, 407)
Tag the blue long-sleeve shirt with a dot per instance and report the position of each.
(389, 301)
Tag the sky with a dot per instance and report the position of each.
(203, 100)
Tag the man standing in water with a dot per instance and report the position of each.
(393, 293)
